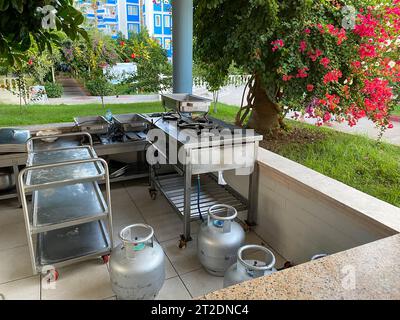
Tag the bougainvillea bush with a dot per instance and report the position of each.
(331, 59)
(343, 71)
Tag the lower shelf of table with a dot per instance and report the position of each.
(211, 193)
(58, 247)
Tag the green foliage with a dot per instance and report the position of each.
(21, 27)
(54, 90)
(100, 87)
(151, 60)
(88, 58)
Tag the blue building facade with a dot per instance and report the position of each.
(130, 16)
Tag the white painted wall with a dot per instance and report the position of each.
(301, 212)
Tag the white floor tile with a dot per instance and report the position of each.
(10, 215)
(81, 281)
(149, 208)
(183, 260)
(173, 289)
(200, 282)
(12, 235)
(15, 264)
(25, 289)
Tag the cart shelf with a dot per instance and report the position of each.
(61, 175)
(60, 207)
(172, 186)
(73, 243)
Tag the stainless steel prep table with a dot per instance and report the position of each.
(178, 190)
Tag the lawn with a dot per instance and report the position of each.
(396, 111)
(354, 160)
(11, 115)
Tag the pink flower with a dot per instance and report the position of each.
(303, 46)
(332, 76)
(310, 87)
(325, 62)
(307, 31)
(302, 73)
(277, 44)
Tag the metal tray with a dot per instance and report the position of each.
(131, 122)
(183, 102)
(61, 207)
(172, 186)
(72, 244)
(92, 124)
(83, 172)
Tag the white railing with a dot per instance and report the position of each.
(232, 80)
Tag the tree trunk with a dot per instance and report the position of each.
(265, 115)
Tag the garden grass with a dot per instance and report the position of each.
(357, 161)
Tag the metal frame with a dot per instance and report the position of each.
(31, 229)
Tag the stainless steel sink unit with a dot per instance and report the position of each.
(179, 188)
(69, 218)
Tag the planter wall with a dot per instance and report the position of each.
(301, 212)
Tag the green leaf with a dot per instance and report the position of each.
(18, 5)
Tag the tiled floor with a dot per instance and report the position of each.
(185, 278)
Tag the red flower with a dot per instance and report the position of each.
(332, 76)
(390, 125)
(325, 62)
(133, 56)
(277, 44)
(30, 62)
(303, 46)
(302, 73)
(327, 117)
(307, 31)
(286, 77)
(122, 43)
(310, 87)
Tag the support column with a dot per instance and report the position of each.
(182, 39)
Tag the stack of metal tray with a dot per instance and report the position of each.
(130, 122)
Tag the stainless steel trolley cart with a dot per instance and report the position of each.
(68, 217)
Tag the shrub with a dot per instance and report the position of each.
(54, 90)
(100, 87)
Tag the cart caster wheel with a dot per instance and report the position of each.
(183, 242)
(153, 194)
(52, 275)
(106, 258)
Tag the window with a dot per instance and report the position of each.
(133, 10)
(167, 21)
(167, 44)
(133, 28)
(157, 18)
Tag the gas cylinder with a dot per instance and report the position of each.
(219, 239)
(137, 265)
(247, 269)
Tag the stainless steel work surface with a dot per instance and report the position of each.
(56, 206)
(191, 139)
(70, 243)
